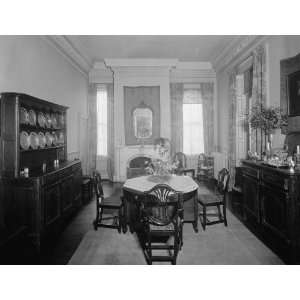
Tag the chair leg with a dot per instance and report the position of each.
(204, 217)
(224, 215)
(96, 221)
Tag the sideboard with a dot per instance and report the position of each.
(33, 137)
(271, 203)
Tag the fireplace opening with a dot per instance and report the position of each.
(137, 166)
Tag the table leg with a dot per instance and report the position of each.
(195, 223)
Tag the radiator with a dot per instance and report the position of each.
(220, 162)
(192, 162)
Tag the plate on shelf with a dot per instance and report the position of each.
(61, 138)
(24, 140)
(32, 117)
(53, 120)
(24, 117)
(34, 140)
(61, 120)
(41, 119)
(55, 138)
(49, 139)
(42, 140)
(48, 120)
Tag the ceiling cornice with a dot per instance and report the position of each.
(140, 62)
(67, 49)
(236, 49)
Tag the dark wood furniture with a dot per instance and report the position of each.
(205, 168)
(111, 204)
(271, 205)
(86, 189)
(134, 189)
(40, 202)
(217, 200)
(180, 159)
(162, 219)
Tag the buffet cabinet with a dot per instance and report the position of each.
(271, 198)
(39, 187)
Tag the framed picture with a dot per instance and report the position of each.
(293, 82)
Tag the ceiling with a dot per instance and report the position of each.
(185, 48)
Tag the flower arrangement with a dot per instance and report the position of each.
(267, 119)
(162, 165)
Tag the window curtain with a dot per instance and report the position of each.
(92, 128)
(207, 92)
(176, 96)
(258, 94)
(110, 131)
(232, 128)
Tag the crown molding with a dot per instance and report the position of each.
(235, 50)
(140, 62)
(68, 50)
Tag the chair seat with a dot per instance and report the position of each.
(205, 168)
(111, 201)
(169, 227)
(209, 199)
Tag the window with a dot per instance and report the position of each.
(193, 140)
(102, 121)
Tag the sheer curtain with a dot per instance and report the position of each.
(92, 128)
(110, 131)
(105, 114)
(258, 93)
(232, 128)
(207, 92)
(176, 95)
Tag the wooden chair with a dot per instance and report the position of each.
(109, 204)
(162, 218)
(217, 199)
(205, 169)
(180, 157)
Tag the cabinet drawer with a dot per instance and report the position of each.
(51, 179)
(274, 179)
(251, 172)
(65, 172)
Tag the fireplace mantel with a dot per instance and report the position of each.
(134, 73)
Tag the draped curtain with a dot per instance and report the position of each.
(232, 128)
(258, 94)
(110, 130)
(207, 92)
(92, 128)
(176, 96)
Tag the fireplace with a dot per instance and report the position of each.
(136, 166)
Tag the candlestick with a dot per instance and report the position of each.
(298, 149)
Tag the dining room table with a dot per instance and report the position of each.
(135, 188)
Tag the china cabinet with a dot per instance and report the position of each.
(40, 187)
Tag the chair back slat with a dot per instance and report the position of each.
(223, 181)
(161, 204)
(97, 184)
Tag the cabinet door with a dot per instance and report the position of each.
(52, 203)
(66, 188)
(274, 210)
(251, 196)
(77, 187)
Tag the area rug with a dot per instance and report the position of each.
(217, 245)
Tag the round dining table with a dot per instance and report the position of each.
(135, 188)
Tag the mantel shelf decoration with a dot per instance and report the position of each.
(161, 166)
